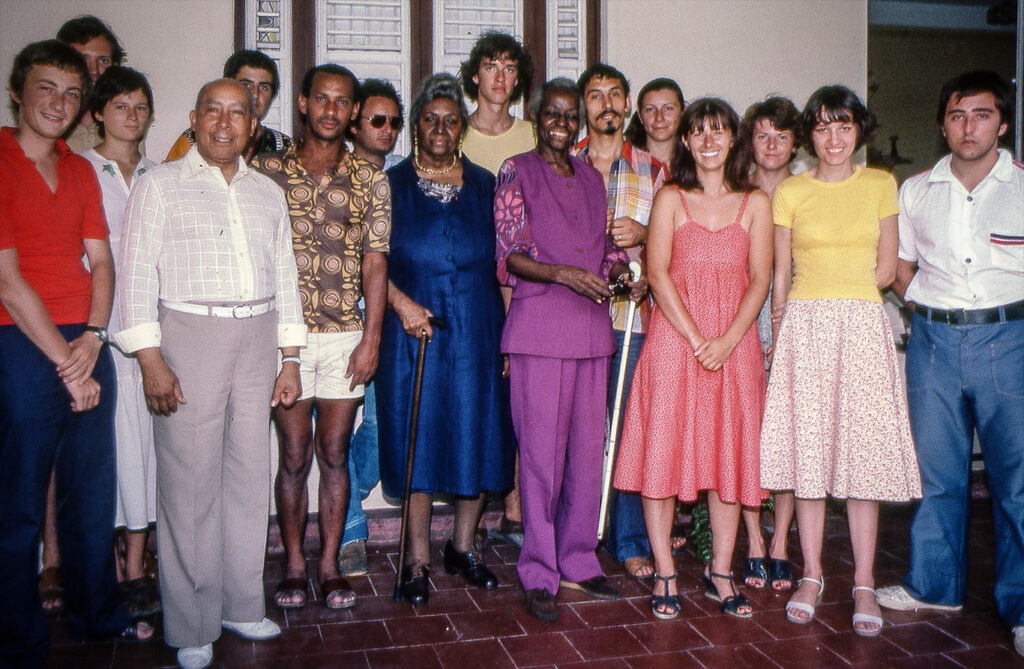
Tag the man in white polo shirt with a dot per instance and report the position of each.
(961, 270)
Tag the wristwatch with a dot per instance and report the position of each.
(101, 333)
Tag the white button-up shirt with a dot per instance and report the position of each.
(189, 236)
(969, 246)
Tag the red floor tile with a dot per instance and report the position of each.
(540, 649)
(608, 642)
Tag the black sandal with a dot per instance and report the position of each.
(755, 568)
(731, 604)
(780, 570)
(133, 633)
(665, 607)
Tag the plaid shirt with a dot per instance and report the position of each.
(189, 236)
(634, 179)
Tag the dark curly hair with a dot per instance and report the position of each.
(716, 114)
(82, 29)
(495, 45)
(834, 103)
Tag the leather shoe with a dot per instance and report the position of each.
(597, 587)
(541, 604)
(198, 657)
(259, 631)
(468, 566)
(416, 584)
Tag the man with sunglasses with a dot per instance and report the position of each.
(340, 208)
(374, 131)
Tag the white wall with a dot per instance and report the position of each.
(178, 44)
(740, 50)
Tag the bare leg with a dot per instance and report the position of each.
(659, 515)
(725, 522)
(513, 512)
(295, 432)
(467, 517)
(135, 548)
(810, 514)
(784, 510)
(863, 518)
(419, 529)
(752, 521)
(51, 549)
(334, 420)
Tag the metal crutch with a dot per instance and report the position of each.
(414, 418)
(613, 435)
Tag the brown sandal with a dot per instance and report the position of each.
(51, 591)
(340, 589)
(289, 588)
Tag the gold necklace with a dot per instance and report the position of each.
(416, 162)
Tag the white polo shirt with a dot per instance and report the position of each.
(969, 246)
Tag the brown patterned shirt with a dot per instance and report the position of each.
(334, 222)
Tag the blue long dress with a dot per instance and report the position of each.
(442, 256)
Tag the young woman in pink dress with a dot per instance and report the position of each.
(693, 421)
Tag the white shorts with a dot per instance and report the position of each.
(325, 363)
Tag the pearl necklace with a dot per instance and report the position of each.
(416, 162)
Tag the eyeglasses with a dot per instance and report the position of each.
(378, 121)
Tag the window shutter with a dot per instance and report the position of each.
(268, 29)
(566, 39)
(371, 38)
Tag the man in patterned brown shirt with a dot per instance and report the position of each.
(340, 208)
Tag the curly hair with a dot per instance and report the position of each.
(441, 85)
(498, 45)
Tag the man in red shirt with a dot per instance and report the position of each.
(56, 378)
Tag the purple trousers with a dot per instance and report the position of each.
(558, 410)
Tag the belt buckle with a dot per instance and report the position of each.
(242, 311)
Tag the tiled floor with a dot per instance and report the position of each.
(464, 628)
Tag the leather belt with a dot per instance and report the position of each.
(1007, 312)
(239, 311)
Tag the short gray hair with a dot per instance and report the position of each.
(441, 85)
(562, 84)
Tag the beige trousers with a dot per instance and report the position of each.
(213, 473)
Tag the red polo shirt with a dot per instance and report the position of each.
(46, 228)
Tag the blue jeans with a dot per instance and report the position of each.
(627, 533)
(363, 469)
(961, 378)
(40, 433)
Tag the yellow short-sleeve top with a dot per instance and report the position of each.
(835, 232)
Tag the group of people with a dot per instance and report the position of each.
(261, 280)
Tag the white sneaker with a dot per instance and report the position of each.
(897, 598)
(1018, 639)
(199, 657)
(261, 631)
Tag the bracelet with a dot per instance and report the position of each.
(291, 358)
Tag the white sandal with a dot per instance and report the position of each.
(809, 609)
(864, 617)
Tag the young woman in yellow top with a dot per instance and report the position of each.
(835, 419)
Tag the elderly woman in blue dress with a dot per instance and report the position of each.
(442, 264)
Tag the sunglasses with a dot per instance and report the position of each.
(378, 121)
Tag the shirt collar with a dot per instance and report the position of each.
(9, 143)
(193, 164)
(1003, 170)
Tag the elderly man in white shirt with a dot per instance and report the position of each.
(209, 292)
(961, 269)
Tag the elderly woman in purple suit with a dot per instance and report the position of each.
(553, 249)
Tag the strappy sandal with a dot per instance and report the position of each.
(665, 607)
(51, 592)
(809, 609)
(754, 568)
(780, 570)
(865, 618)
(731, 604)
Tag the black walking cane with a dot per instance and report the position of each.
(417, 388)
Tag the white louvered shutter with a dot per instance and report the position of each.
(268, 28)
(371, 38)
(566, 38)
